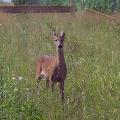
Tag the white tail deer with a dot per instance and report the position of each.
(53, 68)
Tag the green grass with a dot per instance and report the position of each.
(92, 53)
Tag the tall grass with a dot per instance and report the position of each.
(92, 53)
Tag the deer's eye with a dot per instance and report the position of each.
(61, 41)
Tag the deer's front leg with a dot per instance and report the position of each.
(37, 83)
(62, 90)
(50, 84)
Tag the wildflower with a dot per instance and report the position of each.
(15, 89)
(17, 78)
(27, 89)
(20, 78)
(4, 85)
(13, 78)
(68, 101)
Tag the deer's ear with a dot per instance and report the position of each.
(54, 35)
(62, 34)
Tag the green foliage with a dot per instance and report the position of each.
(100, 5)
(19, 2)
(40, 2)
(51, 2)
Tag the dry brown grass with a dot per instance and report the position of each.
(117, 16)
(96, 16)
(4, 18)
(87, 15)
(6, 4)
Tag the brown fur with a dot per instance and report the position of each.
(53, 68)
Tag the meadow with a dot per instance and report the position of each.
(92, 54)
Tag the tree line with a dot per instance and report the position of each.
(39, 2)
(100, 5)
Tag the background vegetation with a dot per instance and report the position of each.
(92, 53)
(100, 5)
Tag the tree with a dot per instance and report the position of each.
(19, 2)
(100, 5)
(40, 2)
(33, 2)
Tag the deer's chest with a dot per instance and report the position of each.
(58, 73)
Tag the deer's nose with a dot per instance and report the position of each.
(60, 46)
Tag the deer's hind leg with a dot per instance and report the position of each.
(47, 83)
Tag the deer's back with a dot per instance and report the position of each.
(45, 65)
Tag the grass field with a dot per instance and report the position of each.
(92, 53)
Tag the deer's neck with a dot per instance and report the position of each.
(60, 57)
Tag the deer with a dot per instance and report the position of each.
(53, 68)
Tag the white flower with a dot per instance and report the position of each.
(20, 78)
(27, 89)
(68, 100)
(4, 85)
(15, 89)
(13, 78)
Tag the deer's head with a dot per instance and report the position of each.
(59, 39)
